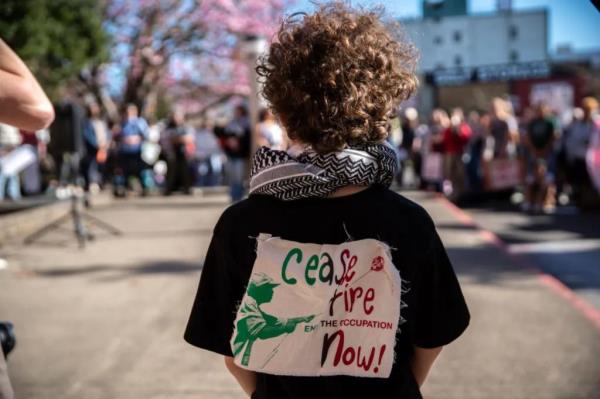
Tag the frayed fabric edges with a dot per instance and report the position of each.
(330, 309)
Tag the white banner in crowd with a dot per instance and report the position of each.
(17, 160)
(313, 310)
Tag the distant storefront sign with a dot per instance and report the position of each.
(513, 71)
(490, 73)
(457, 76)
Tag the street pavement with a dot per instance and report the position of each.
(107, 321)
(565, 245)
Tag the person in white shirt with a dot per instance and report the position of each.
(270, 134)
(96, 137)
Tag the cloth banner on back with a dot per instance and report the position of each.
(315, 310)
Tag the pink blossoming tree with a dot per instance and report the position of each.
(186, 50)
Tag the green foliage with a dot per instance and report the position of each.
(55, 38)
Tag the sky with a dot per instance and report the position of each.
(574, 22)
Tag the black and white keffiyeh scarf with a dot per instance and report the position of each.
(303, 173)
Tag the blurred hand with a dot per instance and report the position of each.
(23, 103)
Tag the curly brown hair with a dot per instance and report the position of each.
(335, 77)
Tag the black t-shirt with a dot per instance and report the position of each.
(541, 132)
(434, 314)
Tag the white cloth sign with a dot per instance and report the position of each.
(17, 160)
(432, 167)
(504, 174)
(315, 310)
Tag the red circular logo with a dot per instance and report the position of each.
(377, 263)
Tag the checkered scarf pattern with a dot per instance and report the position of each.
(309, 174)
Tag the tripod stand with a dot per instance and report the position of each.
(75, 214)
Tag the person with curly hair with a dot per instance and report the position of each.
(322, 226)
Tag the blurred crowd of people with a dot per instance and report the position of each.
(538, 154)
(172, 155)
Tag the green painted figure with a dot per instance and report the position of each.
(254, 323)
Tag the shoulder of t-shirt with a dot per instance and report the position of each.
(233, 215)
(402, 210)
(415, 225)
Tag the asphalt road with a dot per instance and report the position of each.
(107, 321)
(565, 245)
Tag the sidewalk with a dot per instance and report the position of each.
(107, 321)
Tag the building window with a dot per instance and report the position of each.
(513, 32)
(514, 56)
(458, 60)
(457, 36)
(438, 40)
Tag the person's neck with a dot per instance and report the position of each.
(347, 190)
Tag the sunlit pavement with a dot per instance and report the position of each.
(565, 244)
(107, 321)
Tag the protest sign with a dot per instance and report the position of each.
(313, 310)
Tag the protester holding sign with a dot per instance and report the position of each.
(324, 283)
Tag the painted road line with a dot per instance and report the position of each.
(556, 247)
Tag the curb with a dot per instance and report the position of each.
(581, 305)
